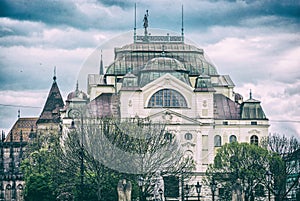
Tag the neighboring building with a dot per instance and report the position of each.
(13, 146)
(12, 150)
(293, 179)
(163, 79)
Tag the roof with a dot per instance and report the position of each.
(105, 105)
(24, 124)
(225, 108)
(54, 103)
(133, 57)
(251, 109)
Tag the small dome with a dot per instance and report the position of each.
(164, 64)
(77, 94)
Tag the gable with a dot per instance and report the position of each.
(168, 116)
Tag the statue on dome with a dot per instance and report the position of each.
(146, 22)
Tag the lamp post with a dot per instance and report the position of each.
(141, 183)
(198, 189)
(269, 177)
(187, 191)
(75, 113)
(213, 186)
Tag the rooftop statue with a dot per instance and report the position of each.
(146, 22)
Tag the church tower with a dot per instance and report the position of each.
(49, 119)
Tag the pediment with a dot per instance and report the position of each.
(168, 81)
(168, 116)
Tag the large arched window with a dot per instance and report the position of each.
(232, 138)
(218, 141)
(167, 98)
(254, 140)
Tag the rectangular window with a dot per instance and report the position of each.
(253, 122)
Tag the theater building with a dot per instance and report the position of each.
(161, 78)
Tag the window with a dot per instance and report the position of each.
(225, 122)
(167, 98)
(253, 122)
(217, 141)
(188, 136)
(254, 140)
(168, 136)
(232, 138)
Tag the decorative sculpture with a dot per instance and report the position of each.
(124, 190)
(146, 22)
(158, 189)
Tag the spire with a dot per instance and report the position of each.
(54, 102)
(250, 94)
(19, 113)
(54, 74)
(77, 88)
(101, 65)
(3, 136)
(182, 29)
(134, 29)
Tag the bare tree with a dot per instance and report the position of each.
(287, 178)
(128, 148)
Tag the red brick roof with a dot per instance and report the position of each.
(23, 124)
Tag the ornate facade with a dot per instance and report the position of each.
(163, 79)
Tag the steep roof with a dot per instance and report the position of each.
(54, 102)
(22, 124)
(105, 105)
(225, 108)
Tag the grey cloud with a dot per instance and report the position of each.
(198, 14)
(292, 90)
(119, 3)
(51, 12)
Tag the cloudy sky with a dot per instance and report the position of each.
(256, 42)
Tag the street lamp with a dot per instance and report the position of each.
(198, 189)
(269, 177)
(75, 113)
(187, 191)
(141, 183)
(213, 185)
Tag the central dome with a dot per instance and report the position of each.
(164, 64)
(160, 66)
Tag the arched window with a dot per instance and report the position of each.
(19, 192)
(218, 141)
(8, 192)
(167, 98)
(168, 136)
(188, 136)
(254, 140)
(232, 138)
